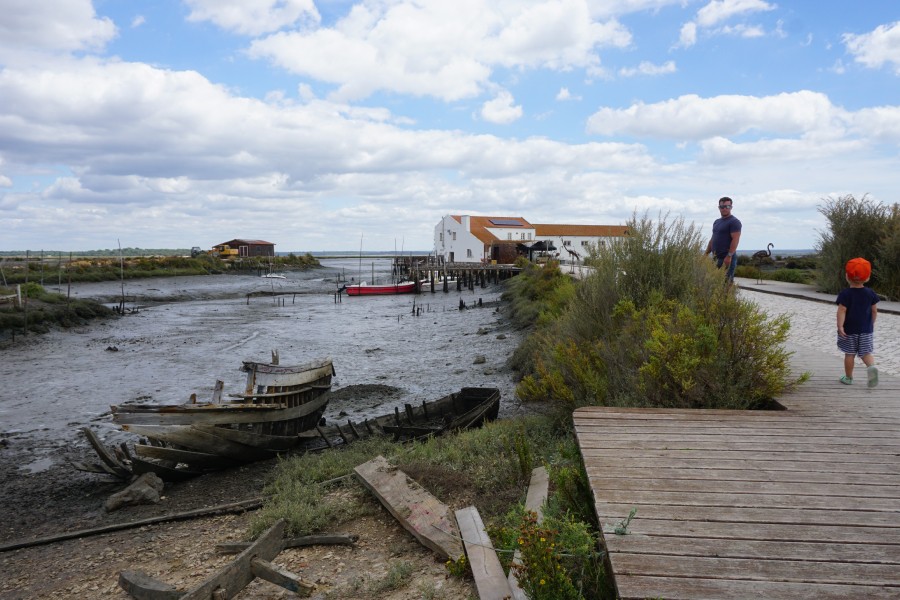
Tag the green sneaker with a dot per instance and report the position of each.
(846, 380)
(872, 374)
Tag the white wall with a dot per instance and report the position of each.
(454, 242)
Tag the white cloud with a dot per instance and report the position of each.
(501, 109)
(564, 95)
(253, 17)
(138, 21)
(688, 35)
(876, 48)
(443, 49)
(28, 27)
(691, 117)
(719, 11)
(648, 68)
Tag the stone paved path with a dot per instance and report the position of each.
(813, 325)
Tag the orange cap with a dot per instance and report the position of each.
(858, 269)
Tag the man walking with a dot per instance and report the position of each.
(725, 237)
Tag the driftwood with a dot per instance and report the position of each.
(307, 540)
(227, 582)
(233, 507)
(490, 580)
(420, 513)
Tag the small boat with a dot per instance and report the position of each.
(278, 403)
(468, 408)
(273, 276)
(366, 289)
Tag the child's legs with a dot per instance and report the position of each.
(866, 348)
(849, 359)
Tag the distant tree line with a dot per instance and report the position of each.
(130, 252)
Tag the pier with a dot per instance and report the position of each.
(433, 274)
(780, 504)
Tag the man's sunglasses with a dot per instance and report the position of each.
(724, 206)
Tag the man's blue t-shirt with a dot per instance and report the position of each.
(859, 303)
(721, 235)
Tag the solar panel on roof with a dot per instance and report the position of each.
(505, 222)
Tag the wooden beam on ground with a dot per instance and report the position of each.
(490, 581)
(420, 513)
(280, 577)
(534, 501)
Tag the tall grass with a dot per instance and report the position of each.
(656, 325)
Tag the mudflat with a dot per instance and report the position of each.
(184, 334)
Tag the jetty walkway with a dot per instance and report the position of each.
(785, 504)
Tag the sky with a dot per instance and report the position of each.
(343, 124)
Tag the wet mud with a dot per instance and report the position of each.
(182, 334)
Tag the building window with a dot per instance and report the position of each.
(529, 235)
(441, 238)
(454, 236)
(585, 243)
(567, 242)
(469, 253)
(509, 236)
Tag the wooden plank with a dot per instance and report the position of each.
(848, 553)
(757, 569)
(695, 588)
(834, 488)
(823, 533)
(280, 577)
(490, 581)
(748, 500)
(234, 576)
(797, 503)
(143, 587)
(420, 513)
(764, 514)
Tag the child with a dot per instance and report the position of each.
(856, 316)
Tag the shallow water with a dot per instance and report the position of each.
(54, 384)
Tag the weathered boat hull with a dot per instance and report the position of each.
(278, 403)
(465, 409)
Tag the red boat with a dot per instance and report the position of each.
(365, 289)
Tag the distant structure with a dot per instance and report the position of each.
(244, 248)
(477, 239)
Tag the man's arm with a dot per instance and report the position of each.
(732, 248)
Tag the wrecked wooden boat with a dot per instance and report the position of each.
(468, 408)
(182, 440)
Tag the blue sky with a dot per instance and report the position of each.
(309, 124)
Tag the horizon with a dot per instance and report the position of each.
(180, 122)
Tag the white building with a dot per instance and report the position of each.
(473, 239)
(466, 238)
(573, 242)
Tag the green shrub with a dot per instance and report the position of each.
(656, 325)
(860, 228)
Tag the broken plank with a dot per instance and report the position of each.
(143, 587)
(420, 513)
(280, 577)
(486, 569)
(298, 542)
(108, 459)
(234, 576)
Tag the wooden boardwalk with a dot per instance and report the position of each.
(793, 504)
